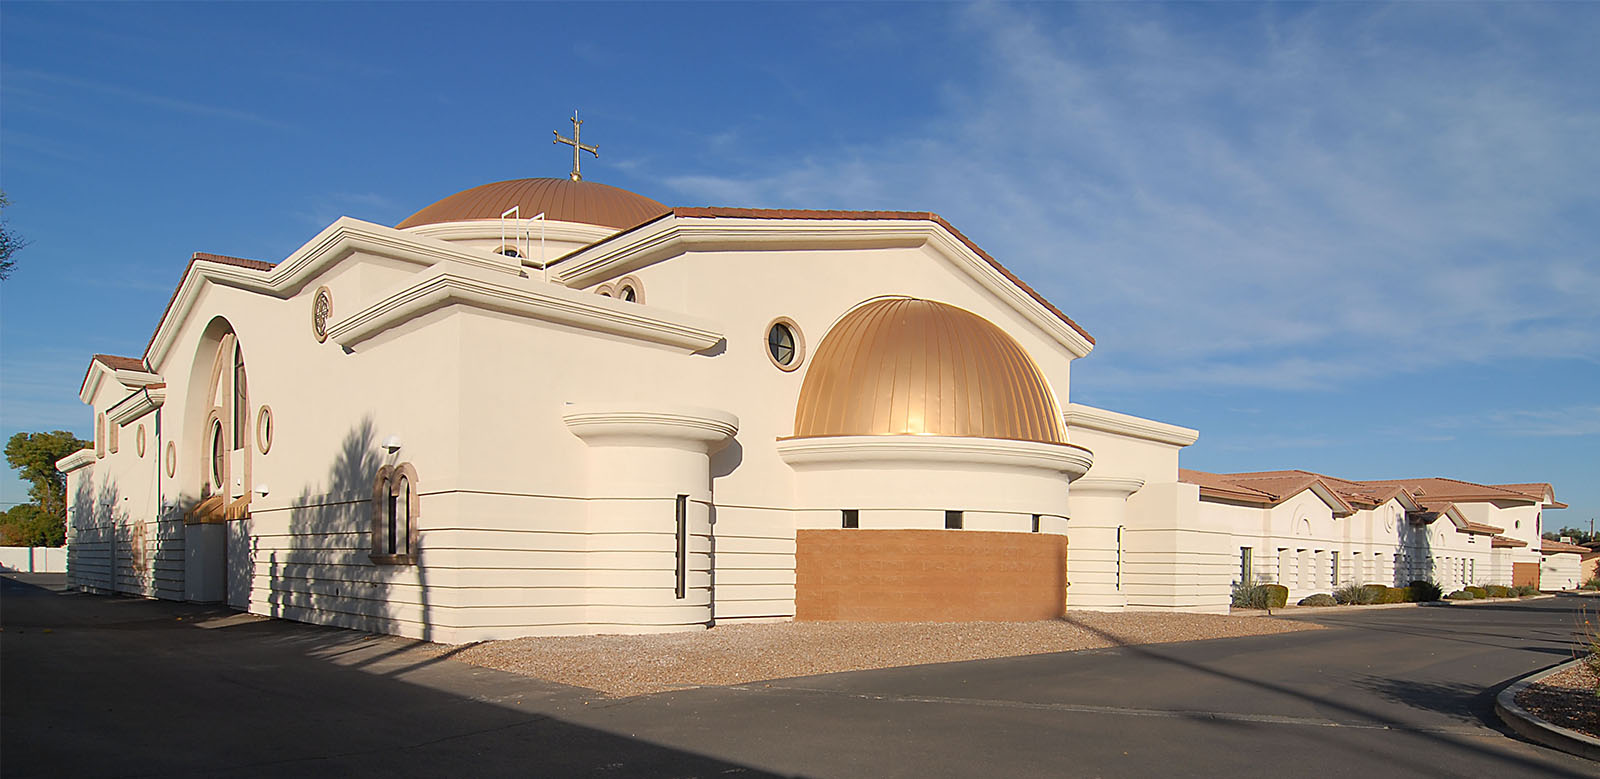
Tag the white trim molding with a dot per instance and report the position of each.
(672, 235)
(534, 300)
(76, 460)
(490, 229)
(141, 402)
(925, 450)
(334, 244)
(1091, 418)
(649, 424)
(1110, 486)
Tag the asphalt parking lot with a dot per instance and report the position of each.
(109, 686)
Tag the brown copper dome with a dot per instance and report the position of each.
(903, 366)
(563, 200)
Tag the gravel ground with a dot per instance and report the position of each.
(624, 666)
(1566, 699)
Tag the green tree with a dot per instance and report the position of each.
(28, 525)
(1577, 536)
(34, 455)
(10, 244)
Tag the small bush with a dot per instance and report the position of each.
(1396, 595)
(1477, 592)
(1424, 592)
(1355, 595)
(1593, 583)
(1277, 595)
(1524, 590)
(1497, 591)
(1373, 593)
(1462, 595)
(1319, 599)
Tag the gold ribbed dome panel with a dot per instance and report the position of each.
(564, 200)
(903, 366)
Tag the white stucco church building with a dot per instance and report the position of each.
(617, 416)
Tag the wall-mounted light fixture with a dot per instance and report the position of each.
(262, 490)
(392, 444)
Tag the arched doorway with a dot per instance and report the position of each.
(217, 435)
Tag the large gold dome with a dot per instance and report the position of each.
(902, 366)
(563, 200)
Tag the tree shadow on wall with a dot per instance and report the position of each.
(1418, 547)
(322, 572)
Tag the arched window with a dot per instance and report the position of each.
(395, 507)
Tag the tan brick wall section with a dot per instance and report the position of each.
(1525, 574)
(929, 576)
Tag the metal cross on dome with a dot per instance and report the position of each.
(576, 142)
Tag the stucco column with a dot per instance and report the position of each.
(1098, 508)
(642, 458)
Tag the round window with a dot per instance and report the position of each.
(264, 429)
(172, 459)
(785, 346)
(141, 440)
(219, 453)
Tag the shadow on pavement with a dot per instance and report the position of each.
(1418, 695)
(103, 686)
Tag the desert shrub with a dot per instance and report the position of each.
(1373, 593)
(1355, 595)
(1396, 595)
(1246, 596)
(1593, 583)
(1498, 591)
(1477, 592)
(1424, 592)
(1462, 595)
(1524, 590)
(1277, 595)
(1319, 599)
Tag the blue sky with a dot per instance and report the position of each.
(1358, 239)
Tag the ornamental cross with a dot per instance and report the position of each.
(576, 142)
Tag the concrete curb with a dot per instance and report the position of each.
(1537, 730)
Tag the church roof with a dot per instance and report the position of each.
(722, 212)
(563, 200)
(904, 366)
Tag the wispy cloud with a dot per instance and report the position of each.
(1389, 189)
(1570, 421)
(26, 76)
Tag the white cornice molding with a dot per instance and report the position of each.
(337, 242)
(1079, 415)
(136, 405)
(76, 460)
(833, 452)
(99, 371)
(649, 424)
(532, 299)
(1113, 486)
(490, 229)
(672, 236)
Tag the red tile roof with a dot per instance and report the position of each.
(1501, 542)
(1557, 547)
(221, 259)
(1535, 490)
(1435, 488)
